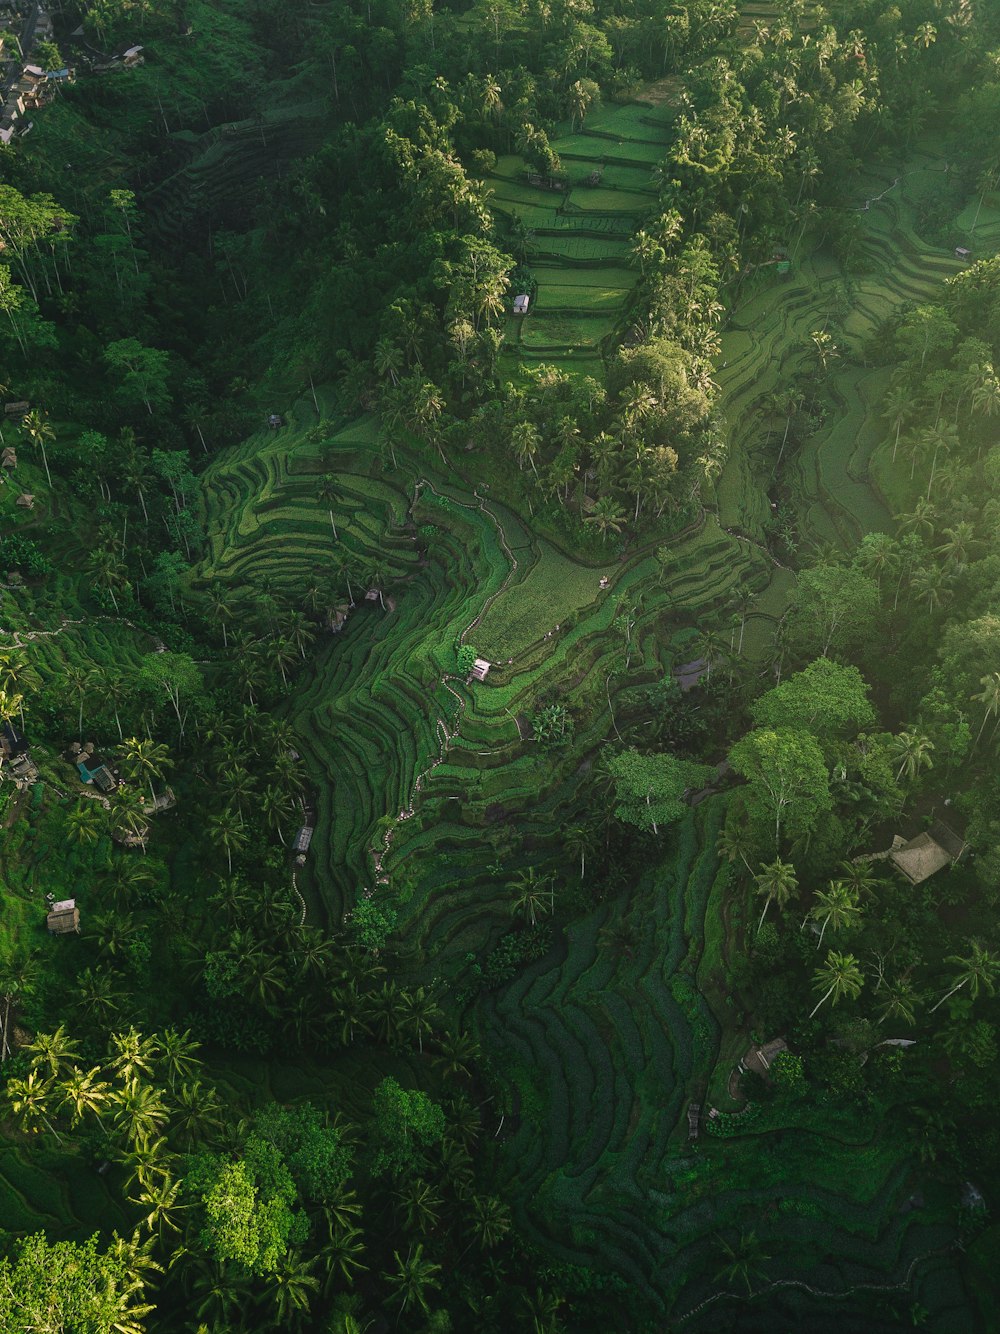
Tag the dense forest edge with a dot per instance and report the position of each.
(499, 665)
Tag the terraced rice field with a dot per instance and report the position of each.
(767, 341)
(384, 732)
(579, 248)
(606, 1051)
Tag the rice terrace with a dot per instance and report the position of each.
(499, 667)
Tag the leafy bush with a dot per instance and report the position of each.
(21, 553)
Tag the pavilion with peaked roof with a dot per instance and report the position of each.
(931, 851)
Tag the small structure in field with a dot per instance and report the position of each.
(521, 304)
(758, 1059)
(16, 409)
(694, 1119)
(371, 595)
(91, 768)
(962, 252)
(26, 501)
(480, 669)
(63, 917)
(133, 57)
(8, 459)
(302, 839)
(275, 421)
(921, 857)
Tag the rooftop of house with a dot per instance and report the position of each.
(919, 858)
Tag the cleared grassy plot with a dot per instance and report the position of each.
(600, 245)
(555, 588)
(601, 199)
(541, 330)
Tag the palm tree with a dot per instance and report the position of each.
(197, 1113)
(412, 1279)
(37, 427)
(419, 1205)
(377, 574)
(989, 698)
(742, 1261)
(100, 993)
(777, 883)
(54, 1052)
(534, 894)
(607, 516)
(143, 760)
(913, 750)
(278, 809)
(421, 1009)
(78, 680)
(83, 1091)
(30, 1099)
(291, 1288)
(837, 906)
(578, 840)
(140, 1111)
(858, 878)
(733, 842)
(491, 1220)
(132, 1054)
(85, 823)
(841, 976)
(227, 828)
(161, 1201)
(978, 969)
(329, 494)
(340, 1253)
(899, 1003)
(221, 609)
(931, 582)
(457, 1054)
(177, 1055)
(342, 563)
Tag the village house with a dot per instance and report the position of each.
(91, 768)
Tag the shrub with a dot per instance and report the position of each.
(21, 553)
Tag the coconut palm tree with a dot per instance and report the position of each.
(978, 969)
(220, 609)
(177, 1055)
(143, 760)
(420, 1011)
(578, 840)
(78, 681)
(227, 828)
(31, 1100)
(140, 1111)
(132, 1054)
(54, 1053)
(329, 494)
(83, 1091)
(836, 906)
(898, 1002)
(989, 698)
(197, 1113)
(743, 1260)
(607, 516)
(913, 750)
(377, 574)
(291, 1288)
(161, 1200)
(838, 977)
(342, 564)
(412, 1279)
(37, 427)
(278, 808)
(534, 894)
(776, 882)
(419, 1205)
(85, 823)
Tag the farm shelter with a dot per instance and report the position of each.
(63, 917)
(923, 856)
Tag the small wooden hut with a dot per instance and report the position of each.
(63, 917)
